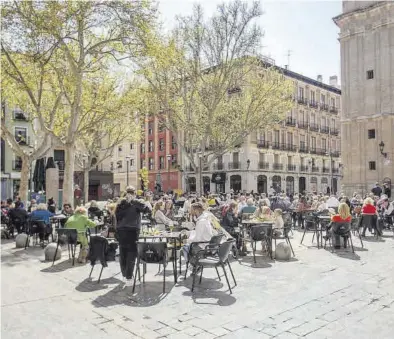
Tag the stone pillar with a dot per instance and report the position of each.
(52, 181)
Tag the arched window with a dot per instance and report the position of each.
(236, 183)
(277, 183)
(290, 185)
(262, 184)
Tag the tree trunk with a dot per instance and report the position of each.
(199, 189)
(68, 183)
(24, 183)
(86, 185)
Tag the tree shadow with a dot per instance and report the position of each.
(61, 267)
(146, 295)
(372, 238)
(90, 285)
(12, 258)
(292, 259)
(261, 262)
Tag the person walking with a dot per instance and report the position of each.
(128, 225)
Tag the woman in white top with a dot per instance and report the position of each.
(158, 214)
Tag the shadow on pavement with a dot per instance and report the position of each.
(219, 298)
(62, 266)
(261, 262)
(146, 295)
(346, 254)
(91, 284)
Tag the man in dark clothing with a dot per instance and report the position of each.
(128, 221)
(387, 190)
(18, 216)
(377, 190)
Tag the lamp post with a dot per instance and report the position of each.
(247, 173)
(168, 170)
(127, 170)
(200, 172)
(331, 172)
(381, 148)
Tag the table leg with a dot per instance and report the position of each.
(175, 262)
(180, 256)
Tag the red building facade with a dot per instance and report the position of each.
(159, 154)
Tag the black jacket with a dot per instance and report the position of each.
(18, 215)
(95, 212)
(128, 214)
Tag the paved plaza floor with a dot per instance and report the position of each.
(318, 294)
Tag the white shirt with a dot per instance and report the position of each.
(162, 219)
(203, 231)
(332, 202)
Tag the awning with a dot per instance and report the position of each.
(219, 177)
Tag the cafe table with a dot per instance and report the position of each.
(249, 223)
(57, 219)
(175, 237)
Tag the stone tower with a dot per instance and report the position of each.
(367, 71)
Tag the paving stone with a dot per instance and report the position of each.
(218, 331)
(166, 331)
(308, 327)
(287, 335)
(245, 333)
(192, 330)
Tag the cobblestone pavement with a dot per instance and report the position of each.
(318, 294)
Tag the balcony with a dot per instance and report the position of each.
(262, 144)
(324, 129)
(313, 150)
(303, 125)
(264, 165)
(290, 122)
(336, 154)
(218, 166)
(315, 169)
(314, 127)
(275, 145)
(334, 131)
(234, 165)
(333, 110)
(335, 170)
(289, 147)
(321, 151)
(313, 104)
(326, 170)
(302, 101)
(291, 168)
(278, 167)
(303, 149)
(304, 168)
(17, 165)
(324, 107)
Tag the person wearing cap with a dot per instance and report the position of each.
(128, 225)
(377, 190)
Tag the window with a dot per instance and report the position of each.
(142, 147)
(289, 138)
(324, 145)
(173, 142)
(313, 119)
(302, 117)
(161, 145)
(372, 165)
(132, 162)
(142, 163)
(333, 123)
(276, 137)
(150, 147)
(236, 157)
(111, 166)
(332, 102)
(313, 143)
(120, 149)
(173, 159)
(21, 135)
(313, 96)
(119, 164)
(370, 74)
(151, 164)
(161, 163)
(161, 127)
(371, 134)
(300, 92)
(323, 99)
(150, 128)
(18, 114)
(131, 146)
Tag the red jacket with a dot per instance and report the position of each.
(337, 218)
(369, 209)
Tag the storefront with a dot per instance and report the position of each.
(219, 179)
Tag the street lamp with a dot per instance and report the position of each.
(168, 170)
(200, 172)
(127, 170)
(248, 164)
(332, 174)
(381, 147)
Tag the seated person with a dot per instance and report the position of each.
(94, 211)
(169, 209)
(230, 221)
(66, 211)
(369, 209)
(42, 218)
(250, 208)
(81, 222)
(263, 213)
(159, 216)
(279, 224)
(51, 205)
(33, 205)
(203, 232)
(18, 216)
(343, 216)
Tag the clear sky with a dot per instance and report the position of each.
(303, 27)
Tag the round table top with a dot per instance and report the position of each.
(324, 217)
(145, 222)
(59, 216)
(254, 221)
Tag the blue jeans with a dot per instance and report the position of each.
(185, 251)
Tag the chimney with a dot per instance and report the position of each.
(286, 66)
(333, 81)
(320, 78)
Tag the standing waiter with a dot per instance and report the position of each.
(128, 225)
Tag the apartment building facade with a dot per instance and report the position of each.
(367, 67)
(300, 154)
(159, 154)
(20, 126)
